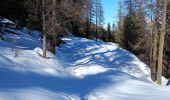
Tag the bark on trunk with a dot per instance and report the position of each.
(155, 44)
(43, 31)
(161, 43)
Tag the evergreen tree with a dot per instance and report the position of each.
(99, 15)
(119, 37)
(109, 33)
(89, 17)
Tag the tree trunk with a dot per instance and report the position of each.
(154, 61)
(43, 31)
(155, 44)
(161, 43)
(96, 20)
(44, 45)
(151, 32)
(90, 20)
(54, 20)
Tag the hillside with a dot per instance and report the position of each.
(82, 69)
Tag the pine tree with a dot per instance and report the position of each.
(134, 29)
(113, 32)
(89, 16)
(109, 33)
(119, 37)
(99, 16)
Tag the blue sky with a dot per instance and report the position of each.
(110, 10)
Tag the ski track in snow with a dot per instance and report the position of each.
(81, 70)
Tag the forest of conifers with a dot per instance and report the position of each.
(142, 26)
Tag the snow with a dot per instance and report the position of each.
(82, 69)
(90, 70)
(4, 21)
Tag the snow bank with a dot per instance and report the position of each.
(82, 69)
(4, 21)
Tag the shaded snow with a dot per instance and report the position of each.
(81, 70)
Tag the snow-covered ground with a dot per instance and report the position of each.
(81, 70)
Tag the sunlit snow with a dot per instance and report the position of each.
(82, 69)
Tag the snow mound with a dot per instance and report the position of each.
(39, 51)
(83, 71)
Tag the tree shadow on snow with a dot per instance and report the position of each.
(82, 87)
(118, 59)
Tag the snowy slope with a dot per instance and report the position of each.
(87, 56)
(81, 70)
